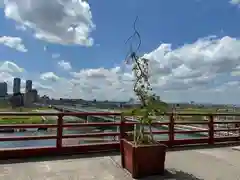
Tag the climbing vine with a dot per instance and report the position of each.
(143, 90)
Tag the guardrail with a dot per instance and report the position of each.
(123, 125)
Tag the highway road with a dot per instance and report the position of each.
(89, 109)
(54, 118)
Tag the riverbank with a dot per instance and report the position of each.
(23, 119)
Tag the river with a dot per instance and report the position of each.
(50, 142)
(72, 141)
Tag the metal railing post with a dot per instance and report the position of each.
(122, 128)
(121, 137)
(59, 131)
(171, 130)
(211, 129)
(117, 129)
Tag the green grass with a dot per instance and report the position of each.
(22, 109)
(195, 110)
(140, 111)
(21, 120)
(25, 109)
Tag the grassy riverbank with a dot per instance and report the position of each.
(22, 109)
(200, 113)
(21, 119)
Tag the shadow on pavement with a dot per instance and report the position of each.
(63, 157)
(172, 174)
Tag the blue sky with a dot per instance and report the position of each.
(192, 44)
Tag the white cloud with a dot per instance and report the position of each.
(196, 64)
(235, 2)
(201, 71)
(55, 21)
(188, 72)
(44, 48)
(55, 55)
(21, 27)
(65, 65)
(6, 77)
(49, 76)
(13, 42)
(10, 67)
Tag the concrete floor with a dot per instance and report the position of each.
(207, 164)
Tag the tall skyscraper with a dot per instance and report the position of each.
(16, 85)
(28, 86)
(3, 89)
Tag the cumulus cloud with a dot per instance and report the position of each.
(49, 76)
(13, 42)
(21, 27)
(55, 55)
(200, 67)
(65, 65)
(201, 71)
(195, 64)
(10, 67)
(6, 77)
(55, 21)
(235, 2)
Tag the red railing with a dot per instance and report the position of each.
(173, 128)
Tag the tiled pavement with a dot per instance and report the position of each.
(207, 164)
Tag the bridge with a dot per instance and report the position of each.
(108, 167)
(107, 118)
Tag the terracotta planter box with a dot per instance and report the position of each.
(143, 160)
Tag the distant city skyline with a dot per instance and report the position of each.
(17, 86)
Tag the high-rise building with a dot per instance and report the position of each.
(28, 85)
(3, 89)
(30, 97)
(16, 85)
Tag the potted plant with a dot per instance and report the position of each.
(141, 154)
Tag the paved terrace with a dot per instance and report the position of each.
(208, 164)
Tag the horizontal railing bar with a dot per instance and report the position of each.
(25, 138)
(190, 122)
(205, 114)
(158, 132)
(22, 153)
(227, 129)
(34, 148)
(107, 114)
(194, 114)
(190, 141)
(154, 123)
(226, 138)
(190, 131)
(226, 122)
(160, 123)
(58, 113)
(17, 126)
(91, 135)
(29, 114)
(91, 124)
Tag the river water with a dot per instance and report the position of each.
(29, 143)
(71, 141)
(50, 142)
